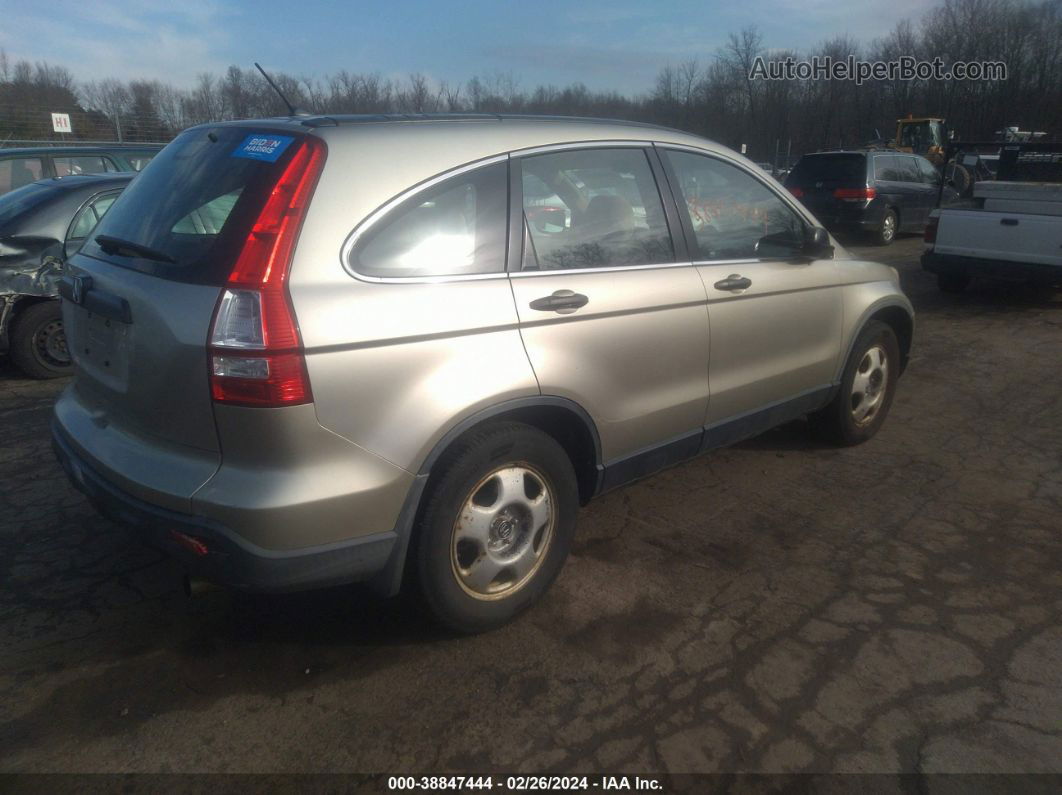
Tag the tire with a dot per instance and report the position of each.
(890, 224)
(953, 282)
(496, 526)
(960, 177)
(38, 344)
(850, 419)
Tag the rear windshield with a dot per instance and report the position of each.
(829, 168)
(196, 203)
(19, 201)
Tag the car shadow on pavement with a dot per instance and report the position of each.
(794, 436)
(990, 297)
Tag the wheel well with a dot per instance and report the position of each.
(902, 325)
(568, 429)
(24, 302)
(13, 305)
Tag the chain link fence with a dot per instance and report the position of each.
(33, 126)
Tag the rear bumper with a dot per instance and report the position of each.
(1000, 269)
(851, 225)
(840, 216)
(229, 559)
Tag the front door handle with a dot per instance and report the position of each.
(563, 302)
(735, 281)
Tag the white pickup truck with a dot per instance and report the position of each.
(1011, 230)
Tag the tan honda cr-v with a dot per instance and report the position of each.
(312, 351)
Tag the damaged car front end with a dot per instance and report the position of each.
(41, 224)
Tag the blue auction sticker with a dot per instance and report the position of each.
(261, 146)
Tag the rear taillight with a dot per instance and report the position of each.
(930, 233)
(798, 192)
(256, 355)
(855, 194)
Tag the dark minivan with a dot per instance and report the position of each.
(880, 193)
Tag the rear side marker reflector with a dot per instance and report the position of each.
(192, 544)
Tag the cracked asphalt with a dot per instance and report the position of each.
(779, 606)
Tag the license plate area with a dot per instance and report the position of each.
(102, 346)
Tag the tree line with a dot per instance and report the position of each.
(712, 96)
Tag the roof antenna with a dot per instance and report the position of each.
(292, 110)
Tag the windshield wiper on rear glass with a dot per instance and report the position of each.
(126, 248)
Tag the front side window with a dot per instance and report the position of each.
(909, 169)
(592, 208)
(457, 227)
(928, 172)
(733, 214)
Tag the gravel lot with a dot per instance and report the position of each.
(778, 606)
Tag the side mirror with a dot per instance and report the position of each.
(817, 243)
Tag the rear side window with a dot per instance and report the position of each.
(18, 171)
(139, 159)
(197, 203)
(454, 228)
(887, 167)
(847, 168)
(89, 215)
(82, 164)
(591, 208)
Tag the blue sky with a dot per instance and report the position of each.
(612, 44)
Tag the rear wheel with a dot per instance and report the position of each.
(953, 282)
(496, 527)
(887, 233)
(867, 387)
(38, 342)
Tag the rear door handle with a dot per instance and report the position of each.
(1009, 221)
(735, 281)
(563, 302)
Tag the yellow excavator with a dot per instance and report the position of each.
(923, 136)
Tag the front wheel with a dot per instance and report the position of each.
(496, 527)
(859, 409)
(38, 342)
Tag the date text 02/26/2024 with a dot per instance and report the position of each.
(524, 783)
